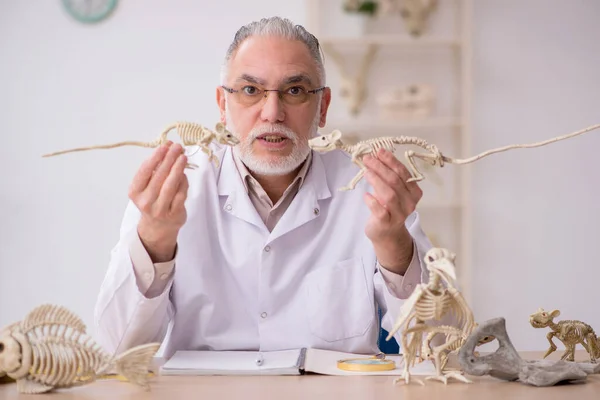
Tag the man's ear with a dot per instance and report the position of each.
(221, 103)
(325, 100)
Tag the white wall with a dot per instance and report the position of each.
(536, 211)
(153, 62)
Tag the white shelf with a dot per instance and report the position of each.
(449, 35)
(390, 40)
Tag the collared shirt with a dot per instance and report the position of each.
(152, 278)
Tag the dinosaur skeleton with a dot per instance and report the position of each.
(191, 134)
(429, 303)
(570, 332)
(353, 88)
(333, 140)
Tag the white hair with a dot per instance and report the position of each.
(278, 27)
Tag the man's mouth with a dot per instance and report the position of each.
(272, 138)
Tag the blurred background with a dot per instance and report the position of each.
(471, 75)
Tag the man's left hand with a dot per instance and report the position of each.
(391, 203)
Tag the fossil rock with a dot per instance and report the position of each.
(506, 364)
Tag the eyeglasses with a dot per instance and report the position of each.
(293, 95)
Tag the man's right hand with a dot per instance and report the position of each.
(159, 190)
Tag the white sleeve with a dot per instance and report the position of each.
(124, 316)
(391, 298)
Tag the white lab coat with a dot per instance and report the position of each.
(311, 282)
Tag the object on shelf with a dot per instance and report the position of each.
(427, 305)
(414, 101)
(416, 14)
(368, 7)
(90, 11)
(569, 332)
(191, 134)
(506, 364)
(353, 88)
(50, 349)
(433, 156)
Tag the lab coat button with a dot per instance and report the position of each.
(228, 207)
(148, 276)
(268, 248)
(263, 315)
(316, 211)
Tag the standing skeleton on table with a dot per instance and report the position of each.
(431, 302)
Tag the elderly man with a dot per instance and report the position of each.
(262, 252)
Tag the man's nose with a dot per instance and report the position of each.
(272, 109)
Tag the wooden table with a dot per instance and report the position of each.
(317, 387)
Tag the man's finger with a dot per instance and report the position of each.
(377, 210)
(387, 196)
(178, 202)
(163, 170)
(388, 159)
(391, 170)
(171, 184)
(144, 173)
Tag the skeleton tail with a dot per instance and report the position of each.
(105, 146)
(519, 146)
(134, 364)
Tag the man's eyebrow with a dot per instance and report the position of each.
(251, 79)
(291, 79)
(298, 79)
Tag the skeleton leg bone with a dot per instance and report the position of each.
(553, 347)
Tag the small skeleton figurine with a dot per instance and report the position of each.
(50, 349)
(570, 332)
(191, 134)
(431, 154)
(429, 303)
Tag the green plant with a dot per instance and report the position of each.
(366, 7)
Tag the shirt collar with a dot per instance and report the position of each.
(248, 180)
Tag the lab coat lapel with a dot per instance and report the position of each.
(305, 206)
(238, 203)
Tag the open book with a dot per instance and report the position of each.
(284, 362)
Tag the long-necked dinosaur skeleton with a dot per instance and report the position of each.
(429, 303)
(333, 140)
(191, 134)
(353, 87)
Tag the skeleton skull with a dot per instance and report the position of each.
(10, 353)
(324, 143)
(441, 261)
(542, 318)
(415, 14)
(414, 100)
(224, 136)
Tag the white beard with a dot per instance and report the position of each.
(280, 165)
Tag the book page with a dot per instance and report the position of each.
(283, 362)
(325, 362)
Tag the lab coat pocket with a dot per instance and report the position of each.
(339, 301)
